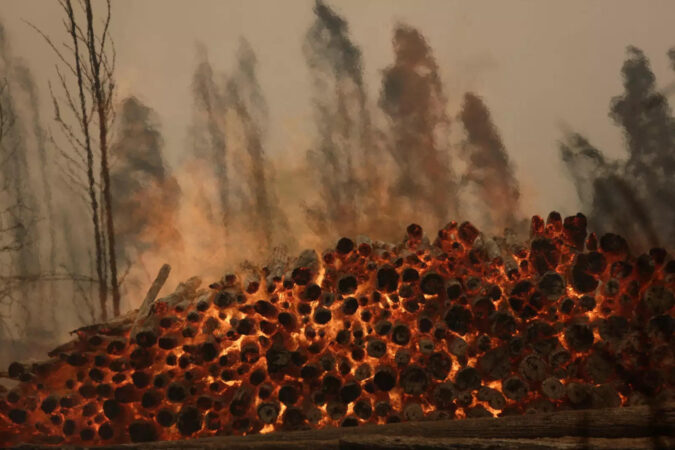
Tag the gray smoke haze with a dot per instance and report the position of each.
(20, 211)
(25, 80)
(208, 138)
(38, 297)
(259, 201)
(229, 179)
(413, 99)
(489, 172)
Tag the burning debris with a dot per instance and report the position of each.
(367, 333)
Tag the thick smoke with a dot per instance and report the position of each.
(489, 173)
(608, 198)
(343, 159)
(634, 196)
(649, 130)
(140, 178)
(413, 99)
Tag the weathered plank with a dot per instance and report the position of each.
(377, 442)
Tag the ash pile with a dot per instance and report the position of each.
(367, 333)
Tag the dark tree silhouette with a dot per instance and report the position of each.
(609, 198)
(87, 85)
(489, 170)
(145, 195)
(245, 99)
(412, 97)
(19, 208)
(649, 129)
(634, 196)
(209, 131)
(343, 159)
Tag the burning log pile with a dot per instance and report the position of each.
(466, 327)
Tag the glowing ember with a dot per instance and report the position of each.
(368, 333)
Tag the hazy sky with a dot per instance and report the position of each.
(540, 65)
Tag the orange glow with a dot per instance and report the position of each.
(358, 335)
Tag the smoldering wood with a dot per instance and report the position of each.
(307, 260)
(145, 309)
(148, 322)
(533, 368)
(17, 369)
(134, 321)
(250, 278)
(115, 326)
(553, 388)
(616, 428)
(277, 265)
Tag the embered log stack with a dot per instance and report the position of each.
(397, 340)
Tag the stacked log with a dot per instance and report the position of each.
(367, 333)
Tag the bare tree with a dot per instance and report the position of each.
(246, 101)
(102, 89)
(87, 87)
(210, 107)
(8, 243)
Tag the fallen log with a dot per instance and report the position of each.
(376, 442)
(135, 320)
(383, 442)
(616, 428)
(115, 326)
(145, 328)
(145, 310)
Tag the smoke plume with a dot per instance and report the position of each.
(412, 97)
(649, 130)
(608, 198)
(140, 178)
(634, 196)
(489, 173)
